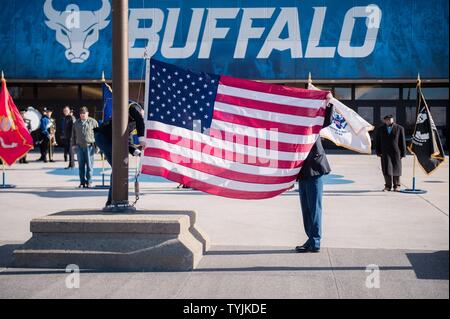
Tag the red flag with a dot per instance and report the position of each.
(15, 140)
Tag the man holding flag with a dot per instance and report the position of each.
(310, 181)
(237, 138)
(15, 140)
(103, 134)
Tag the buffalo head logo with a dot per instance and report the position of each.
(77, 30)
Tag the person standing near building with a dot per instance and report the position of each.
(23, 160)
(66, 136)
(310, 182)
(83, 142)
(391, 148)
(47, 130)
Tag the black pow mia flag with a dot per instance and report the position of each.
(426, 144)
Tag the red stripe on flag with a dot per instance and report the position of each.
(222, 172)
(268, 125)
(270, 107)
(208, 188)
(273, 88)
(259, 142)
(219, 152)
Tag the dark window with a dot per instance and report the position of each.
(437, 93)
(137, 92)
(21, 92)
(58, 92)
(91, 92)
(366, 112)
(343, 93)
(370, 92)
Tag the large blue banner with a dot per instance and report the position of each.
(256, 39)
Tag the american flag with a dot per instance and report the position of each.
(226, 136)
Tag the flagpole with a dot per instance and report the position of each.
(103, 186)
(4, 185)
(413, 190)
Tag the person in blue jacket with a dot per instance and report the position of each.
(46, 130)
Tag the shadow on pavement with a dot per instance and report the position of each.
(299, 269)
(367, 192)
(60, 192)
(430, 265)
(249, 252)
(426, 266)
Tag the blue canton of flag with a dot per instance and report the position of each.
(107, 102)
(181, 98)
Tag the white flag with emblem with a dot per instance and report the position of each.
(348, 129)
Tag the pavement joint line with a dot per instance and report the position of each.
(183, 284)
(334, 275)
(429, 202)
(439, 209)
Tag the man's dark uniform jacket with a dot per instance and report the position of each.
(135, 122)
(316, 164)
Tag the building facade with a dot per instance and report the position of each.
(369, 53)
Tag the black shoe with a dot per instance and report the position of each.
(306, 249)
(52, 161)
(82, 185)
(89, 185)
(45, 161)
(386, 189)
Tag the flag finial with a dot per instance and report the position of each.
(419, 81)
(3, 76)
(103, 76)
(309, 78)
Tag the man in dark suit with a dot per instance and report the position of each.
(391, 148)
(311, 191)
(66, 136)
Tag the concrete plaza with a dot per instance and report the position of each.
(405, 236)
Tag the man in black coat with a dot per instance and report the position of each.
(311, 191)
(66, 136)
(391, 147)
